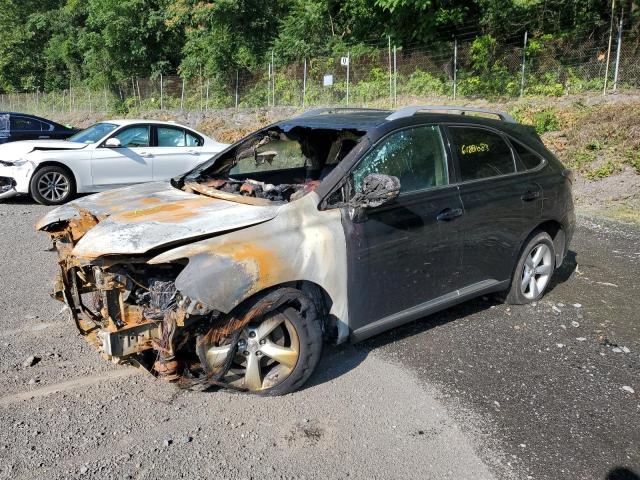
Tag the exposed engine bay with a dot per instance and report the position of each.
(275, 165)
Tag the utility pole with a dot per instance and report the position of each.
(237, 82)
(606, 69)
(273, 76)
(524, 61)
(161, 94)
(615, 75)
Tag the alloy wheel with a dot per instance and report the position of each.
(537, 271)
(266, 355)
(53, 186)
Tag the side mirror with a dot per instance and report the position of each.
(112, 142)
(376, 190)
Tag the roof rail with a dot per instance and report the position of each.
(410, 111)
(318, 111)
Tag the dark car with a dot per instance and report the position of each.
(331, 226)
(20, 126)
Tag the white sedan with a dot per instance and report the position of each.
(106, 155)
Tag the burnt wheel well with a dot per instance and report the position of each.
(556, 232)
(51, 163)
(318, 295)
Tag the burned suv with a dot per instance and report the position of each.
(332, 226)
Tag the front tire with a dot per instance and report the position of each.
(276, 354)
(52, 185)
(534, 270)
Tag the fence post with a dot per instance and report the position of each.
(304, 82)
(524, 61)
(206, 104)
(161, 94)
(182, 96)
(455, 67)
(273, 77)
(615, 75)
(348, 67)
(606, 69)
(269, 86)
(237, 86)
(390, 76)
(395, 77)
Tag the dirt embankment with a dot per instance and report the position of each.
(598, 137)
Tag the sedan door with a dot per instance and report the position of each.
(129, 163)
(177, 151)
(407, 253)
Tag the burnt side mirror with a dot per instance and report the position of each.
(376, 190)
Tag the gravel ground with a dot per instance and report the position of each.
(480, 391)
(73, 415)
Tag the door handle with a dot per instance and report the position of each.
(530, 195)
(449, 214)
(192, 152)
(146, 154)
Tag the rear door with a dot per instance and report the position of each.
(127, 164)
(176, 151)
(407, 252)
(501, 206)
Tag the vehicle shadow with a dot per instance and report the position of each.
(338, 360)
(622, 473)
(562, 274)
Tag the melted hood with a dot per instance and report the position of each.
(136, 219)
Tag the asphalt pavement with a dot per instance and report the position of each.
(483, 390)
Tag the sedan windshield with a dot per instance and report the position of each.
(93, 134)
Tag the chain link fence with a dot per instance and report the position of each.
(381, 77)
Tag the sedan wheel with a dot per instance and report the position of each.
(52, 185)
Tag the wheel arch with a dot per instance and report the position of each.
(557, 233)
(53, 163)
(318, 295)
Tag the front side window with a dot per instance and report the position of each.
(480, 153)
(132, 137)
(415, 155)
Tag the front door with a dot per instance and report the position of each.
(129, 163)
(407, 252)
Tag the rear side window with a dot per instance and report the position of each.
(415, 155)
(529, 158)
(24, 123)
(480, 153)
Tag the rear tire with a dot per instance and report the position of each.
(534, 270)
(52, 185)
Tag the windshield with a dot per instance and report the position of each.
(93, 134)
(273, 164)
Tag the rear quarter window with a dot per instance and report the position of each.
(528, 158)
(480, 153)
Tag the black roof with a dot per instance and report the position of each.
(365, 120)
